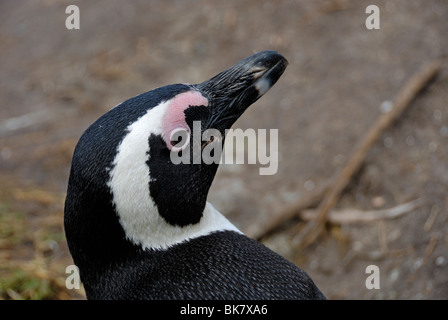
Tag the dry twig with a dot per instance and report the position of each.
(402, 100)
(352, 216)
(404, 97)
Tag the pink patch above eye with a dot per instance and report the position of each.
(174, 118)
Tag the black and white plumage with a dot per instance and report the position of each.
(140, 227)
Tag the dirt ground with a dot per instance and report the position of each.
(55, 82)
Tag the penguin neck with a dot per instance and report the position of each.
(155, 233)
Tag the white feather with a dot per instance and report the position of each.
(129, 184)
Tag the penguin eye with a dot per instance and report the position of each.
(179, 139)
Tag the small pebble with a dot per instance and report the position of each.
(417, 264)
(437, 114)
(309, 185)
(394, 275)
(386, 106)
(388, 142)
(444, 131)
(440, 261)
(378, 201)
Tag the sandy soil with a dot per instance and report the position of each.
(55, 82)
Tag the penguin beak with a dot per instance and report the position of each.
(232, 91)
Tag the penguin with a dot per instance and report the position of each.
(139, 226)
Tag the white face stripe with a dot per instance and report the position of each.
(129, 184)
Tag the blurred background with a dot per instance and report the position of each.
(55, 82)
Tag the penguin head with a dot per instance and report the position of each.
(125, 189)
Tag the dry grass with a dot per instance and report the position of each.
(33, 252)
